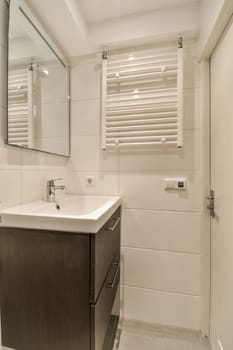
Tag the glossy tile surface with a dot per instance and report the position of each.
(140, 336)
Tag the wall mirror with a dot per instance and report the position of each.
(38, 86)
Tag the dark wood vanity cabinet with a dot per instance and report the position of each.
(58, 288)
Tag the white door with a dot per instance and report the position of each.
(221, 74)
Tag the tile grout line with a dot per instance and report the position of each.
(162, 291)
(161, 250)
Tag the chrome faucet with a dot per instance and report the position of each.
(51, 189)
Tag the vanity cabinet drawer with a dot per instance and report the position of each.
(102, 311)
(104, 246)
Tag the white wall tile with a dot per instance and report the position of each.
(10, 188)
(191, 109)
(186, 158)
(86, 155)
(191, 69)
(162, 230)
(55, 162)
(85, 81)
(104, 183)
(32, 160)
(160, 307)
(160, 270)
(85, 117)
(32, 185)
(10, 157)
(145, 190)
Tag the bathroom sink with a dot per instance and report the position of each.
(74, 213)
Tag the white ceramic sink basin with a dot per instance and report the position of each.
(76, 214)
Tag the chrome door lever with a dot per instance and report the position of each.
(210, 207)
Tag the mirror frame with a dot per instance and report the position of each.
(26, 11)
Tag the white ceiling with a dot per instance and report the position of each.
(99, 10)
(81, 27)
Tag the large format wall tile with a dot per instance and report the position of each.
(85, 81)
(85, 117)
(105, 183)
(191, 115)
(191, 68)
(151, 306)
(161, 230)
(186, 158)
(86, 155)
(33, 160)
(33, 186)
(10, 188)
(161, 270)
(145, 190)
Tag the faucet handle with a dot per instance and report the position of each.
(51, 188)
(51, 181)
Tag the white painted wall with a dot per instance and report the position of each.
(161, 232)
(144, 27)
(183, 18)
(209, 12)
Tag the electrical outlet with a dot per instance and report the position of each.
(90, 181)
(220, 347)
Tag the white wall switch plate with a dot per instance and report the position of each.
(175, 183)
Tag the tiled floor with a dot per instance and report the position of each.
(138, 336)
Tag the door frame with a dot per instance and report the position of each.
(205, 116)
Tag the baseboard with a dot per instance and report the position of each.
(164, 331)
(154, 326)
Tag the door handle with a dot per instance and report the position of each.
(112, 284)
(112, 228)
(211, 200)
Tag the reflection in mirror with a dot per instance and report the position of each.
(38, 87)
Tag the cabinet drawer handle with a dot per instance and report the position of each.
(112, 228)
(112, 284)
